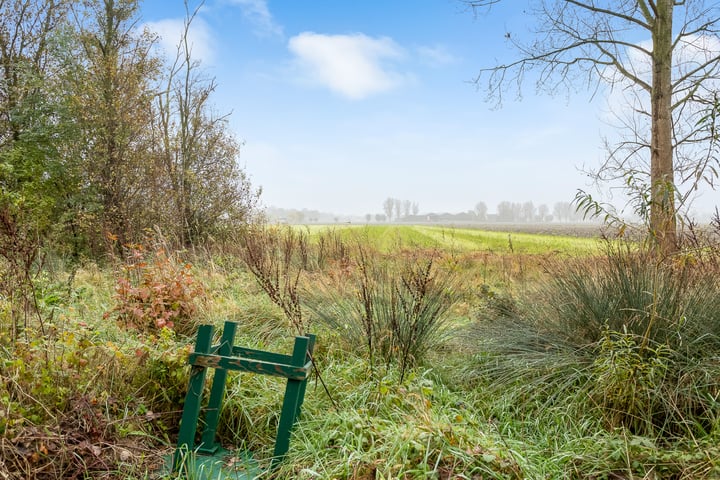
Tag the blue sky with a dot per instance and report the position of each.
(343, 103)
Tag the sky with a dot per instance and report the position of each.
(341, 104)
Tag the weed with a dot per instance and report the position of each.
(396, 310)
(276, 258)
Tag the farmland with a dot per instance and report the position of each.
(532, 239)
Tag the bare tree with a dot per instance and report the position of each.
(516, 211)
(562, 211)
(505, 211)
(481, 210)
(528, 211)
(388, 206)
(407, 206)
(673, 73)
(543, 212)
(198, 153)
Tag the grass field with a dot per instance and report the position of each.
(95, 390)
(466, 239)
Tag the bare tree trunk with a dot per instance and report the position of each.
(663, 224)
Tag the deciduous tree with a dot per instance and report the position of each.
(505, 211)
(33, 177)
(407, 207)
(112, 92)
(197, 151)
(481, 210)
(528, 211)
(665, 51)
(388, 206)
(543, 212)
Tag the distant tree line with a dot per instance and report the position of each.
(395, 208)
(103, 137)
(400, 211)
(514, 212)
(527, 212)
(301, 216)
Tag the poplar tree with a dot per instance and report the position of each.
(665, 51)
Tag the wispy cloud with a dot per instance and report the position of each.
(258, 14)
(355, 66)
(200, 39)
(436, 56)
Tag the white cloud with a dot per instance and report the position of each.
(258, 13)
(199, 37)
(355, 66)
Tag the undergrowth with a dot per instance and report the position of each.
(557, 366)
(624, 345)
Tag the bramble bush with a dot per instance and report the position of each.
(155, 290)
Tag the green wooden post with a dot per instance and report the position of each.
(191, 410)
(291, 401)
(303, 386)
(224, 357)
(208, 445)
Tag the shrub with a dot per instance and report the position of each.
(160, 378)
(276, 257)
(155, 290)
(393, 309)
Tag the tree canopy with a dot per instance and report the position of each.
(91, 111)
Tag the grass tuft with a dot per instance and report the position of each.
(629, 341)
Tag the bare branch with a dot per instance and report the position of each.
(594, 9)
(711, 64)
(671, 80)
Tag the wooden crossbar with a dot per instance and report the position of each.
(251, 366)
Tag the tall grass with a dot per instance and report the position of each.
(627, 340)
(609, 370)
(383, 428)
(395, 309)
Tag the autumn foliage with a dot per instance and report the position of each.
(155, 290)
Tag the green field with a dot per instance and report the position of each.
(391, 237)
